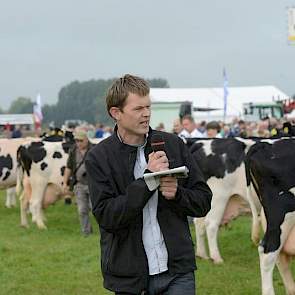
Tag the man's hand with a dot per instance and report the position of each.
(168, 187)
(158, 161)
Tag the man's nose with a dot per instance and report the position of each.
(147, 112)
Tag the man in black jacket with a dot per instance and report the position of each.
(146, 246)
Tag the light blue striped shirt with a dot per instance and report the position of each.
(152, 236)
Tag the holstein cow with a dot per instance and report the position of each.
(8, 161)
(43, 165)
(8, 166)
(271, 169)
(222, 163)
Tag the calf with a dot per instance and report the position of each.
(222, 163)
(270, 167)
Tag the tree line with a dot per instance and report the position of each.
(76, 101)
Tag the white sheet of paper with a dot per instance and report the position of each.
(179, 172)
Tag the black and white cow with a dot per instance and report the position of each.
(222, 163)
(8, 166)
(43, 165)
(271, 169)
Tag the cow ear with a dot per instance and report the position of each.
(115, 113)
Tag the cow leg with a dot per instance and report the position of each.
(23, 210)
(212, 222)
(283, 264)
(200, 230)
(269, 259)
(38, 190)
(284, 259)
(255, 231)
(267, 264)
(10, 198)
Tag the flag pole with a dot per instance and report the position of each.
(225, 94)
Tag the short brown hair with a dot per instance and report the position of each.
(188, 117)
(213, 125)
(119, 90)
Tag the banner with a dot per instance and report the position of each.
(37, 111)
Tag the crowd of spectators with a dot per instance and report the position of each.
(187, 127)
(266, 128)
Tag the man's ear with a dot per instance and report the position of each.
(115, 113)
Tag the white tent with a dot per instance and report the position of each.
(16, 119)
(213, 98)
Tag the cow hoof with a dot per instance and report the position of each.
(24, 225)
(217, 261)
(42, 226)
(205, 257)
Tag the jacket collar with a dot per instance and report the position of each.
(127, 146)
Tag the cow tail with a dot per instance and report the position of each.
(19, 174)
(249, 176)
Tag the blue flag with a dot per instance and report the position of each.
(225, 93)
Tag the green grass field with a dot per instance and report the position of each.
(60, 261)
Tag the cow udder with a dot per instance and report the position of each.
(235, 207)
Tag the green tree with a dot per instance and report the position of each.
(22, 105)
(85, 101)
(81, 100)
(158, 83)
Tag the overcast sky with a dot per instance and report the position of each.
(48, 44)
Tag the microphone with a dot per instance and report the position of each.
(157, 143)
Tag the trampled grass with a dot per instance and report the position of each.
(60, 261)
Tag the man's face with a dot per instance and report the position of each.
(188, 125)
(211, 133)
(82, 143)
(134, 118)
(177, 126)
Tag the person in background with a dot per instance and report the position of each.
(239, 128)
(251, 127)
(99, 130)
(7, 130)
(177, 127)
(76, 168)
(224, 129)
(274, 127)
(262, 129)
(17, 132)
(160, 127)
(202, 128)
(189, 128)
(242, 129)
(213, 129)
(146, 246)
(107, 131)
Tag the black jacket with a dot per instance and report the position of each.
(118, 200)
